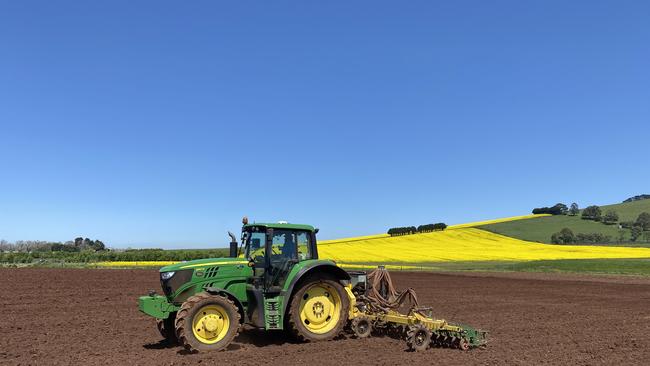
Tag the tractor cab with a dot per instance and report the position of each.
(274, 249)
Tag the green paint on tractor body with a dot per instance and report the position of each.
(260, 279)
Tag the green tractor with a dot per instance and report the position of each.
(273, 281)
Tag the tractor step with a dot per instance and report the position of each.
(272, 314)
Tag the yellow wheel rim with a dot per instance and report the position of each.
(210, 324)
(320, 308)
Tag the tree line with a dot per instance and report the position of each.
(129, 255)
(408, 230)
(566, 236)
(637, 198)
(77, 245)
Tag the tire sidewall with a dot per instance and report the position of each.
(233, 319)
(294, 310)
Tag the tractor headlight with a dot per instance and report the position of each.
(166, 275)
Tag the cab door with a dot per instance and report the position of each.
(281, 256)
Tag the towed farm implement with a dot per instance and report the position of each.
(378, 307)
(275, 281)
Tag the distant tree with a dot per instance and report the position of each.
(440, 226)
(87, 243)
(98, 245)
(610, 218)
(646, 236)
(643, 220)
(58, 247)
(621, 236)
(592, 213)
(564, 236)
(574, 210)
(560, 208)
(5, 246)
(636, 232)
(78, 242)
(402, 230)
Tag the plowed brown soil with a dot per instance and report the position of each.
(90, 317)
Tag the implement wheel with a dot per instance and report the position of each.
(166, 327)
(319, 310)
(361, 326)
(207, 322)
(419, 338)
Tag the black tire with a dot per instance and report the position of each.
(167, 328)
(300, 330)
(362, 327)
(418, 338)
(187, 313)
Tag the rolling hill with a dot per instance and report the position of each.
(463, 243)
(540, 229)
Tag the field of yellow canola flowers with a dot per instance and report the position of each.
(462, 244)
(450, 227)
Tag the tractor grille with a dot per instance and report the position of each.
(180, 278)
(211, 272)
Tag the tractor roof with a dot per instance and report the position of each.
(276, 225)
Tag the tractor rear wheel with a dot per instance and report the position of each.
(207, 322)
(319, 310)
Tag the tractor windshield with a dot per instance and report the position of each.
(255, 245)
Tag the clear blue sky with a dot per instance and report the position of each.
(162, 124)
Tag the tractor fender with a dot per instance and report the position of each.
(230, 296)
(312, 269)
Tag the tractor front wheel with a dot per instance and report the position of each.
(207, 322)
(319, 310)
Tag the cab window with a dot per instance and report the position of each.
(303, 238)
(284, 245)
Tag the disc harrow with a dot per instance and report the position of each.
(379, 309)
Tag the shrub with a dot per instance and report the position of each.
(592, 238)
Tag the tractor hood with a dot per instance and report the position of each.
(200, 263)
